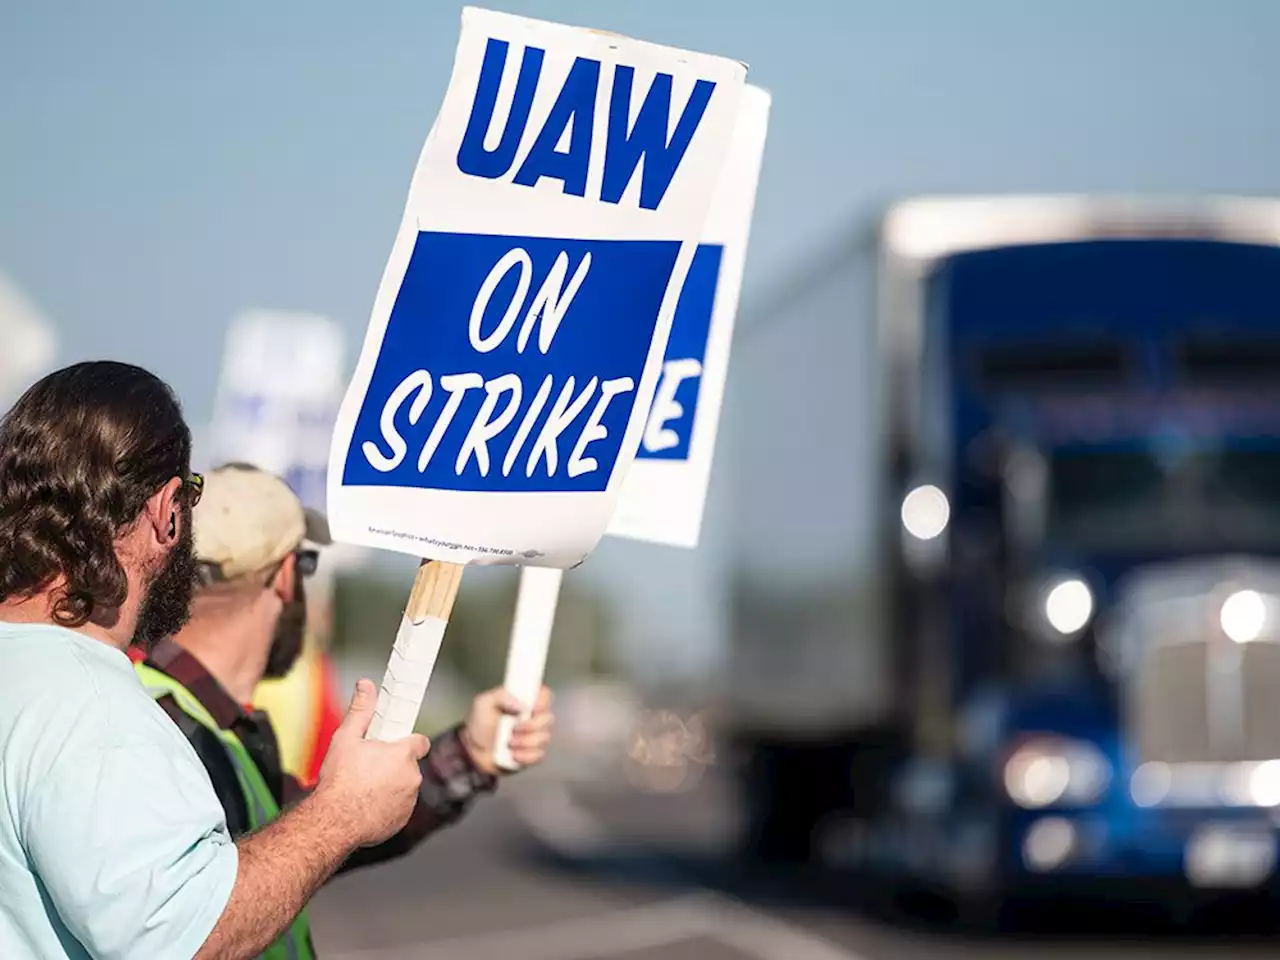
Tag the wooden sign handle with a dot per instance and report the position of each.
(417, 645)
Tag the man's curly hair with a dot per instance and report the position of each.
(80, 454)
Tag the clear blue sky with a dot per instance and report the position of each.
(164, 164)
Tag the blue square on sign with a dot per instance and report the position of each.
(676, 406)
(510, 364)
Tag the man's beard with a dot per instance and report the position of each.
(287, 639)
(167, 603)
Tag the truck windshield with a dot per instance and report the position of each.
(1139, 500)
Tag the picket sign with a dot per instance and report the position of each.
(274, 414)
(665, 489)
(30, 342)
(517, 336)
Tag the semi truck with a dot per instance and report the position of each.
(1067, 645)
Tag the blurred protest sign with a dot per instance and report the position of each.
(665, 489)
(517, 336)
(30, 343)
(278, 393)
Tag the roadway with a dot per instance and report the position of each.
(551, 869)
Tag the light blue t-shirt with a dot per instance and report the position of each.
(112, 841)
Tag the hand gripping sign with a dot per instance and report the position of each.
(666, 487)
(517, 336)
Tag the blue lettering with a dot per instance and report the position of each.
(308, 482)
(473, 158)
(574, 109)
(669, 431)
(644, 144)
(249, 407)
(648, 138)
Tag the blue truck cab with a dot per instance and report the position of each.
(1083, 536)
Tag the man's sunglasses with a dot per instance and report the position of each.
(307, 561)
(194, 487)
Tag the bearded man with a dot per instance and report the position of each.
(112, 842)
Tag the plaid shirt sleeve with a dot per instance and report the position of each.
(450, 784)
(450, 779)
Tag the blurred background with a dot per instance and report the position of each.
(984, 613)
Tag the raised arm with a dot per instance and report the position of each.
(461, 768)
(365, 794)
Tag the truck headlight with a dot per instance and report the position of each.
(925, 512)
(1068, 606)
(1044, 771)
(1243, 616)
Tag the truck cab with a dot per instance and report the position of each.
(1082, 496)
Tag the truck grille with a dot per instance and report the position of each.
(1191, 694)
(1184, 708)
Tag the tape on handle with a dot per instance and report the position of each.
(413, 657)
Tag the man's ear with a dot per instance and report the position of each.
(161, 513)
(283, 582)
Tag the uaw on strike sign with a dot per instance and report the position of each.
(519, 332)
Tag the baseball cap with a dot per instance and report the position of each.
(248, 519)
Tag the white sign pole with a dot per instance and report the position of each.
(527, 655)
(662, 498)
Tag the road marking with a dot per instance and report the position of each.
(705, 915)
(621, 931)
(757, 933)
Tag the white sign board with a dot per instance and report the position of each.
(278, 394)
(30, 343)
(666, 488)
(518, 334)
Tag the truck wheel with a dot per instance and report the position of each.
(980, 912)
(780, 819)
(780, 837)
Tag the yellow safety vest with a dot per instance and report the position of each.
(294, 943)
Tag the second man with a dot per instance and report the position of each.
(256, 545)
